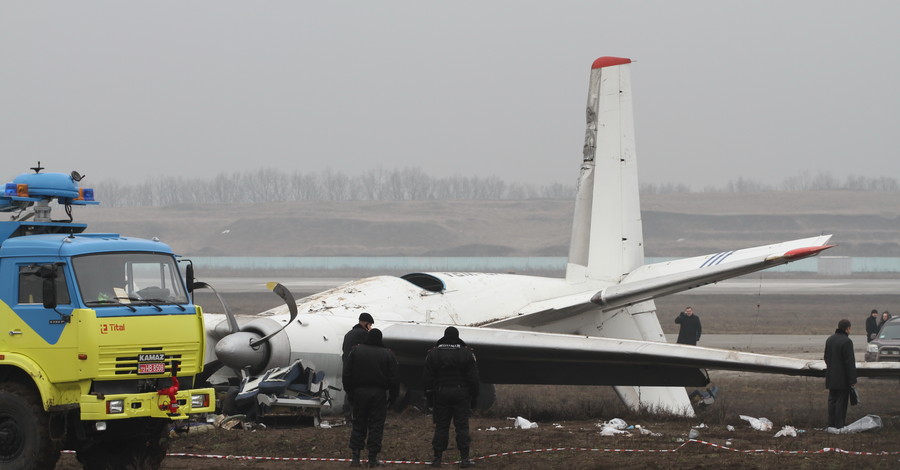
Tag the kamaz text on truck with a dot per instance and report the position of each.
(99, 339)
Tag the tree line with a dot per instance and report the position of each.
(270, 185)
(407, 184)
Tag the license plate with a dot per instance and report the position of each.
(152, 368)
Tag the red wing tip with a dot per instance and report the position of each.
(609, 62)
(807, 251)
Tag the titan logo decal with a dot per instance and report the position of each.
(107, 328)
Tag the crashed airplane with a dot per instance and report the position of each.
(596, 326)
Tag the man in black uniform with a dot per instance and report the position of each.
(690, 330)
(357, 334)
(372, 382)
(451, 388)
(840, 373)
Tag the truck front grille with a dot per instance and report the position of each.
(119, 361)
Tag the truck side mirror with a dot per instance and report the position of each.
(48, 292)
(189, 274)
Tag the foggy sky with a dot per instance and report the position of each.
(760, 90)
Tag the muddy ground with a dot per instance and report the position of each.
(568, 416)
(576, 443)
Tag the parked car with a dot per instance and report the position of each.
(886, 345)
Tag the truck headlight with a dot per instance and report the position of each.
(200, 401)
(872, 348)
(114, 407)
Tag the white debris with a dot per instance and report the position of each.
(693, 434)
(557, 425)
(491, 429)
(325, 425)
(647, 432)
(613, 427)
(700, 426)
(522, 423)
(729, 427)
(866, 423)
(611, 431)
(760, 424)
(787, 431)
(617, 423)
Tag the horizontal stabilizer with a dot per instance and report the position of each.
(670, 277)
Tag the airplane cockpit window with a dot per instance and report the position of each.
(425, 281)
(31, 286)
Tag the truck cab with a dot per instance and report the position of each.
(99, 339)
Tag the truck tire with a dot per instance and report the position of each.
(141, 447)
(25, 441)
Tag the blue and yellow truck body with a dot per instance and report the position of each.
(100, 342)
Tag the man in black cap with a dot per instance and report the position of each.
(840, 373)
(357, 334)
(451, 388)
(371, 379)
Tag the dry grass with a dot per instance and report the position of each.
(577, 411)
(799, 402)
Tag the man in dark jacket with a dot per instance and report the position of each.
(872, 326)
(372, 381)
(357, 334)
(840, 373)
(451, 388)
(690, 330)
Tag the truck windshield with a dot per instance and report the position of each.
(112, 279)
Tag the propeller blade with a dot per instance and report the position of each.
(288, 298)
(232, 321)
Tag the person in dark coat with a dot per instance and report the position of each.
(872, 326)
(885, 316)
(451, 389)
(840, 373)
(690, 330)
(371, 378)
(357, 334)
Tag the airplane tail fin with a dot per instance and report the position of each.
(607, 234)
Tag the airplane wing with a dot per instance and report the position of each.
(658, 279)
(669, 277)
(522, 357)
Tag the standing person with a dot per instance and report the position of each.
(451, 388)
(840, 373)
(357, 334)
(690, 330)
(372, 381)
(885, 316)
(872, 325)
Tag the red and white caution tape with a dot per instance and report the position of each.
(552, 449)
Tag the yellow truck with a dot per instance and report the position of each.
(100, 342)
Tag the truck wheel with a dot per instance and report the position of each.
(24, 435)
(141, 450)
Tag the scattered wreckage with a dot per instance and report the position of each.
(293, 390)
